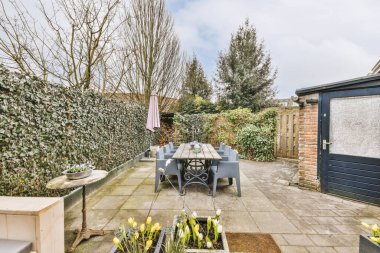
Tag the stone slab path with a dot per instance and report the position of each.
(300, 221)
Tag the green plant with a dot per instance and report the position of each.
(80, 167)
(375, 232)
(137, 239)
(193, 233)
(256, 140)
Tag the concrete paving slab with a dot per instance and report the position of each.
(139, 202)
(110, 202)
(273, 222)
(239, 222)
(298, 240)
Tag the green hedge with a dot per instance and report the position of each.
(44, 127)
(251, 134)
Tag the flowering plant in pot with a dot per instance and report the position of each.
(78, 171)
(200, 234)
(370, 243)
(144, 238)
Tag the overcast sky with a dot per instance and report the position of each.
(311, 41)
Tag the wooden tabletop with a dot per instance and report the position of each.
(63, 182)
(184, 152)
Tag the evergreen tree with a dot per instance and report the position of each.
(244, 73)
(196, 90)
(195, 82)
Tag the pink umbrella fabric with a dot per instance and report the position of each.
(153, 121)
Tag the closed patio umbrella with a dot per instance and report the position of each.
(153, 121)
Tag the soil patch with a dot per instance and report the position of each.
(252, 243)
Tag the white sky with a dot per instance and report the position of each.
(311, 41)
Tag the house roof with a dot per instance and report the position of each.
(376, 68)
(360, 82)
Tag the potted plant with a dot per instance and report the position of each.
(370, 243)
(78, 171)
(200, 234)
(146, 238)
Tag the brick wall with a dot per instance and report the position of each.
(308, 144)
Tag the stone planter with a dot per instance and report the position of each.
(204, 220)
(158, 248)
(77, 175)
(368, 246)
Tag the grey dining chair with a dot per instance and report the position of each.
(171, 169)
(167, 152)
(172, 148)
(229, 169)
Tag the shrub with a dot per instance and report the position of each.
(45, 127)
(256, 140)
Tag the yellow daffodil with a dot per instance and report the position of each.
(116, 241)
(131, 221)
(134, 224)
(142, 228)
(196, 228)
(149, 220)
(136, 235)
(148, 244)
(366, 225)
(375, 239)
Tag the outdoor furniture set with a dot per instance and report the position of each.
(196, 163)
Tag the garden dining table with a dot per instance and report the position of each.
(196, 163)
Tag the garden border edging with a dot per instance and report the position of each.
(76, 195)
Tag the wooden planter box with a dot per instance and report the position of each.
(368, 246)
(223, 237)
(158, 248)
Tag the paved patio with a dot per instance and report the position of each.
(299, 220)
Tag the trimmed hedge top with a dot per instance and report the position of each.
(45, 127)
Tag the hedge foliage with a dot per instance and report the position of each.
(251, 134)
(45, 127)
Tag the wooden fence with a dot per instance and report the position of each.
(286, 144)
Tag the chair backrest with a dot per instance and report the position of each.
(171, 146)
(233, 156)
(222, 146)
(227, 150)
(166, 148)
(160, 153)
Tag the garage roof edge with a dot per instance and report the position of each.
(335, 85)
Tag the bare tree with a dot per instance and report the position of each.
(75, 42)
(156, 58)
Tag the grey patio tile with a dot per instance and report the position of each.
(258, 204)
(94, 246)
(345, 213)
(96, 219)
(120, 190)
(164, 217)
(273, 222)
(321, 250)
(279, 239)
(310, 220)
(298, 240)
(251, 193)
(229, 203)
(293, 249)
(347, 249)
(149, 181)
(238, 222)
(144, 190)
(347, 220)
(139, 202)
(138, 174)
(303, 227)
(121, 218)
(350, 229)
(110, 202)
(325, 240)
(369, 220)
(347, 240)
(326, 220)
(326, 229)
(199, 202)
(128, 181)
(168, 202)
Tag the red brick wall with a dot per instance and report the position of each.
(308, 147)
